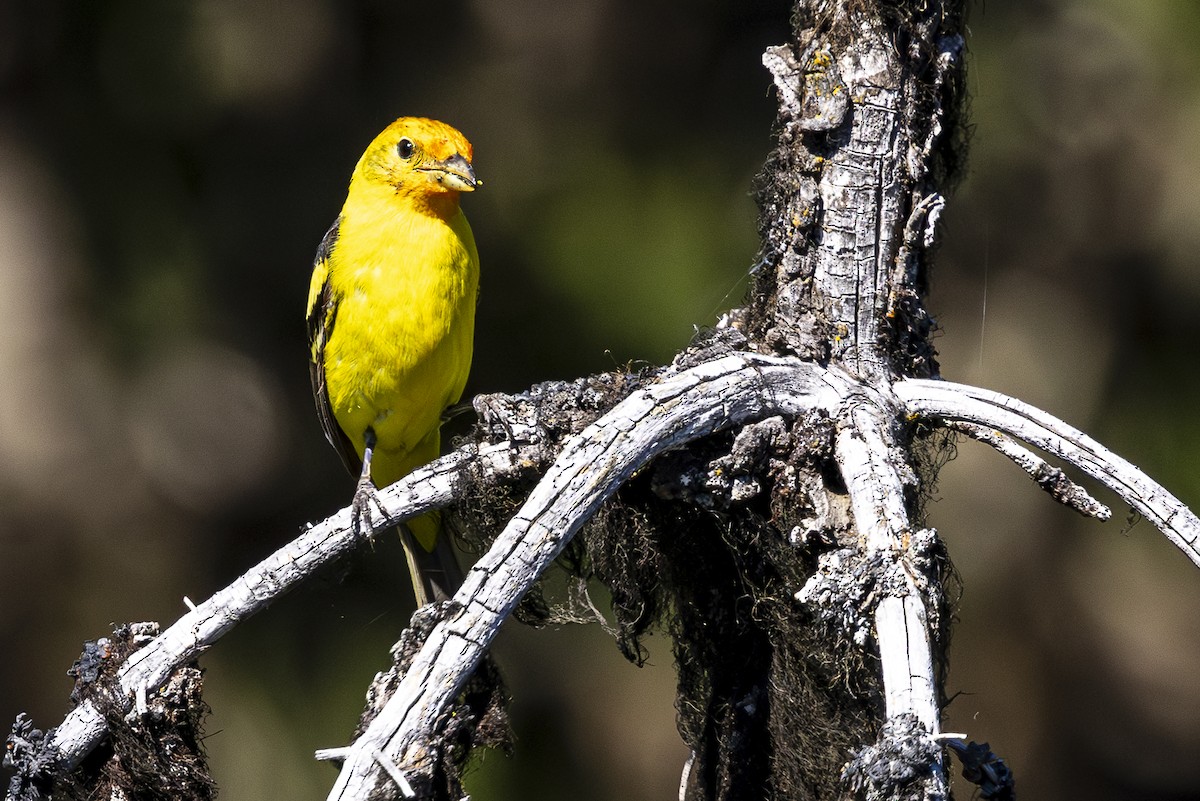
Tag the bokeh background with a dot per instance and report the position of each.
(167, 169)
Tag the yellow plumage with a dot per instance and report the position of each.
(391, 306)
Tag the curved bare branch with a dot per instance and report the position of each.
(950, 401)
(429, 487)
(667, 414)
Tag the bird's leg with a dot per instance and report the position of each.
(365, 494)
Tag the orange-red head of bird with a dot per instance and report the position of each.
(419, 157)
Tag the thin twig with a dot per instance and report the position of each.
(1050, 478)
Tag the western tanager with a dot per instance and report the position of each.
(391, 319)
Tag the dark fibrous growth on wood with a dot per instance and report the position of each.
(154, 756)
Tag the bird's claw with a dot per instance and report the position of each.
(364, 508)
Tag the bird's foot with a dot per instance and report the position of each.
(364, 508)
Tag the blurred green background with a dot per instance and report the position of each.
(167, 169)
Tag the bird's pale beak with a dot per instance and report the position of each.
(453, 173)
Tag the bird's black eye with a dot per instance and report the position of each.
(405, 148)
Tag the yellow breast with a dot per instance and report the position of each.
(399, 350)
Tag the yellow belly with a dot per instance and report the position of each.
(400, 348)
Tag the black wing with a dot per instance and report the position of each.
(322, 313)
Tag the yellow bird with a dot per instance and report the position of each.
(391, 321)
